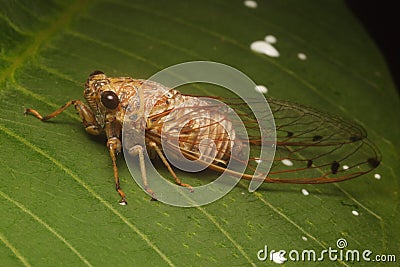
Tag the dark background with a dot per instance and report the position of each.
(381, 20)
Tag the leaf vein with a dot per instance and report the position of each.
(89, 189)
(13, 249)
(45, 225)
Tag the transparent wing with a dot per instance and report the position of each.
(315, 147)
(312, 147)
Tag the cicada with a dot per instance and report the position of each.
(311, 147)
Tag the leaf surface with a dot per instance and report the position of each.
(57, 197)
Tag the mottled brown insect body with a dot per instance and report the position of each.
(321, 148)
(110, 98)
(154, 102)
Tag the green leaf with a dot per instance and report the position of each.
(57, 199)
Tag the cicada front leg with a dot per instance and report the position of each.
(113, 132)
(87, 116)
(92, 127)
(114, 146)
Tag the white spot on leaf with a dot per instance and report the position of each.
(278, 257)
(261, 89)
(270, 39)
(250, 3)
(302, 56)
(264, 48)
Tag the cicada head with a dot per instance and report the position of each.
(101, 96)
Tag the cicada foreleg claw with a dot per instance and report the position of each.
(87, 116)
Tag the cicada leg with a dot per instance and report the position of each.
(114, 146)
(138, 150)
(166, 163)
(92, 127)
(87, 116)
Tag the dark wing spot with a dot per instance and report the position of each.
(335, 167)
(355, 138)
(317, 138)
(373, 162)
(309, 163)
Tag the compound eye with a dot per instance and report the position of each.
(96, 72)
(109, 99)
